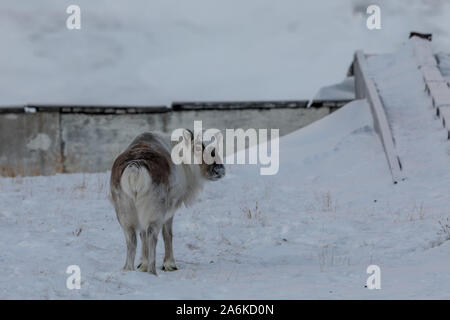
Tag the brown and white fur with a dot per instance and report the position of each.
(146, 190)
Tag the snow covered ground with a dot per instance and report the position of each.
(155, 52)
(308, 232)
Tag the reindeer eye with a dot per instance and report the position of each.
(213, 153)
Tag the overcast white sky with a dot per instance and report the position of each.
(155, 52)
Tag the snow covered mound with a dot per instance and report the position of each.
(308, 232)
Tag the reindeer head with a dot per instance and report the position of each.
(206, 156)
(215, 170)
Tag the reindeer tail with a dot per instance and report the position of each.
(135, 180)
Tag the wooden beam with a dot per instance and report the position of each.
(365, 88)
(276, 104)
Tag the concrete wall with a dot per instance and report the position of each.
(45, 143)
(30, 144)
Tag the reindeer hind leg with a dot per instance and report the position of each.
(143, 266)
(130, 238)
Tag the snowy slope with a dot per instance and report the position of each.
(344, 90)
(308, 232)
(155, 52)
(444, 65)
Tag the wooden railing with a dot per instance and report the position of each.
(365, 88)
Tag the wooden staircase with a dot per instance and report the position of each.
(435, 84)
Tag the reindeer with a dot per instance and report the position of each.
(147, 188)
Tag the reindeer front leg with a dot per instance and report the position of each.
(169, 261)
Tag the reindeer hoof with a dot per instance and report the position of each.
(128, 268)
(142, 268)
(169, 267)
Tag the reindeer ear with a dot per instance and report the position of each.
(187, 137)
(198, 141)
(218, 136)
(198, 137)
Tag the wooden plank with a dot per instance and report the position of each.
(440, 93)
(365, 88)
(12, 109)
(432, 74)
(423, 52)
(99, 109)
(444, 115)
(232, 105)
